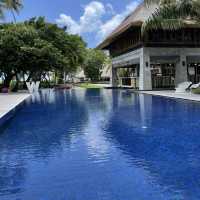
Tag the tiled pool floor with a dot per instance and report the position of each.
(101, 145)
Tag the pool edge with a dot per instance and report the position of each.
(12, 111)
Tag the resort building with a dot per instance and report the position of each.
(156, 60)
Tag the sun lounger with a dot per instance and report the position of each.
(182, 87)
(195, 86)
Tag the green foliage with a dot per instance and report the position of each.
(72, 47)
(173, 14)
(12, 85)
(94, 63)
(89, 86)
(12, 5)
(160, 2)
(36, 47)
(196, 90)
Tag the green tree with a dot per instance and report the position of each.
(72, 47)
(172, 14)
(35, 48)
(23, 51)
(94, 63)
(10, 44)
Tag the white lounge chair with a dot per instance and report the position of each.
(33, 87)
(30, 87)
(182, 87)
(36, 87)
(195, 86)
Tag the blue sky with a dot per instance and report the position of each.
(93, 20)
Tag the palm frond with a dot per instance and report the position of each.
(15, 5)
(1, 9)
(165, 17)
(173, 16)
(148, 2)
(159, 2)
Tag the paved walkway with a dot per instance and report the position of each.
(10, 101)
(172, 94)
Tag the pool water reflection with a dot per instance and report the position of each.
(101, 145)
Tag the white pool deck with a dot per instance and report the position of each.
(172, 94)
(9, 101)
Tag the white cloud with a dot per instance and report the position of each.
(92, 20)
(89, 21)
(73, 26)
(112, 23)
(110, 9)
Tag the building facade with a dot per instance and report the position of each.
(157, 60)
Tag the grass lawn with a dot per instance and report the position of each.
(89, 85)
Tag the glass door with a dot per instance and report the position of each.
(194, 72)
(163, 76)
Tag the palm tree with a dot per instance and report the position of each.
(1, 9)
(13, 5)
(173, 14)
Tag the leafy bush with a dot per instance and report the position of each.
(196, 90)
(45, 84)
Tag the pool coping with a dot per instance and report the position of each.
(9, 113)
(172, 95)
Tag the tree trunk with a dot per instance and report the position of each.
(24, 80)
(64, 75)
(17, 83)
(7, 80)
(29, 77)
(13, 14)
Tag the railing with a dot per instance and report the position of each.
(198, 78)
(194, 78)
(163, 82)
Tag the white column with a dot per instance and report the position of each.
(145, 82)
(114, 77)
(181, 69)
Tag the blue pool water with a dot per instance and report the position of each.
(101, 145)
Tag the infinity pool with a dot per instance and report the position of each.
(101, 145)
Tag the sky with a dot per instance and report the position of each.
(93, 20)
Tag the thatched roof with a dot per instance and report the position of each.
(136, 18)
